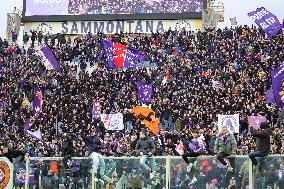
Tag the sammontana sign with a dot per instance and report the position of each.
(111, 27)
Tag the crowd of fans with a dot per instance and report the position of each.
(133, 7)
(239, 59)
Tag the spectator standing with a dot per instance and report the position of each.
(33, 38)
(26, 38)
(145, 148)
(40, 37)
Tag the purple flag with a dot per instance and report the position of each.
(267, 21)
(277, 76)
(270, 96)
(96, 110)
(37, 103)
(144, 92)
(255, 121)
(131, 57)
(50, 61)
(27, 125)
(109, 53)
(118, 56)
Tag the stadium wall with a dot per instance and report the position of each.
(112, 27)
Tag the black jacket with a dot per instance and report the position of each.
(263, 137)
(13, 154)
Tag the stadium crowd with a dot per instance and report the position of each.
(238, 59)
(133, 7)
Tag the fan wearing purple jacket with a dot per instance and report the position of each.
(196, 148)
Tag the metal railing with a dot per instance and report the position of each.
(170, 173)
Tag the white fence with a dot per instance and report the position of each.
(125, 172)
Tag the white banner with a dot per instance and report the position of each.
(6, 174)
(113, 121)
(112, 27)
(231, 121)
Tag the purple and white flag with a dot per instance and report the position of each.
(267, 21)
(255, 121)
(37, 103)
(27, 126)
(49, 59)
(277, 77)
(144, 92)
(96, 110)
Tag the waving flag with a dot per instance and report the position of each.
(27, 126)
(96, 110)
(49, 59)
(144, 92)
(147, 117)
(37, 103)
(267, 21)
(113, 121)
(119, 56)
(255, 121)
(277, 76)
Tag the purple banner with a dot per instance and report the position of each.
(46, 7)
(50, 61)
(255, 121)
(277, 76)
(37, 103)
(267, 21)
(144, 92)
(96, 110)
(119, 56)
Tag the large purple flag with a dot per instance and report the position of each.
(118, 56)
(144, 92)
(255, 121)
(267, 21)
(277, 76)
(50, 61)
(37, 103)
(96, 110)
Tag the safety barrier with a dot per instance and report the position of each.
(126, 172)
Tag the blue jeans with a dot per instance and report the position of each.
(152, 161)
(255, 154)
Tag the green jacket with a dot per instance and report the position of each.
(229, 146)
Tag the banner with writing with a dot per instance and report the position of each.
(112, 27)
(96, 110)
(267, 21)
(231, 121)
(113, 121)
(119, 56)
